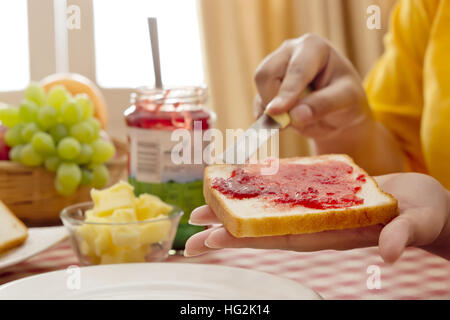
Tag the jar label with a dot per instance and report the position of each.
(151, 158)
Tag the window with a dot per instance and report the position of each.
(111, 46)
(122, 44)
(14, 60)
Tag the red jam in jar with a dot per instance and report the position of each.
(151, 119)
(323, 185)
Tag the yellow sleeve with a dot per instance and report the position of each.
(435, 129)
(395, 85)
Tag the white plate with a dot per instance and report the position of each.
(169, 281)
(38, 240)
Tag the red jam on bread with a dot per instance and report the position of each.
(321, 185)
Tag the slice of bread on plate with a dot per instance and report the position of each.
(12, 231)
(305, 195)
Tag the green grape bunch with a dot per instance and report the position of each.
(59, 132)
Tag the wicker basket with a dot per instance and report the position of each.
(30, 192)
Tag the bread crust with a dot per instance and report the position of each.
(17, 241)
(13, 243)
(332, 219)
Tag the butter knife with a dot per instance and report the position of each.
(254, 137)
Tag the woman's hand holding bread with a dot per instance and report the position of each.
(423, 221)
(336, 115)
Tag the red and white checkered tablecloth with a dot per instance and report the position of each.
(333, 274)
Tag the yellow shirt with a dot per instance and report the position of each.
(409, 87)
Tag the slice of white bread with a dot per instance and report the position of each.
(255, 217)
(12, 231)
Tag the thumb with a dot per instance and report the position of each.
(394, 238)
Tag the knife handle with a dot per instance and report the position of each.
(283, 119)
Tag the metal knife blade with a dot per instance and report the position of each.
(251, 140)
(257, 135)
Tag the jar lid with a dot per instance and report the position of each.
(193, 95)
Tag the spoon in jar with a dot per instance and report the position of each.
(153, 29)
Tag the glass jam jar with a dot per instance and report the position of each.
(151, 119)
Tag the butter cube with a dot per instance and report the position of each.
(126, 236)
(115, 256)
(283, 119)
(102, 242)
(136, 255)
(123, 215)
(155, 231)
(85, 248)
(94, 240)
(118, 196)
(89, 214)
(86, 233)
(149, 206)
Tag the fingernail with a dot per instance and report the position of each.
(192, 221)
(301, 114)
(210, 245)
(210, 242)
(201, 224)
(188, 255)
(191, 254)
(195, 210)
(274, 104)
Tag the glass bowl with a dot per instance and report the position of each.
(119, 242)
